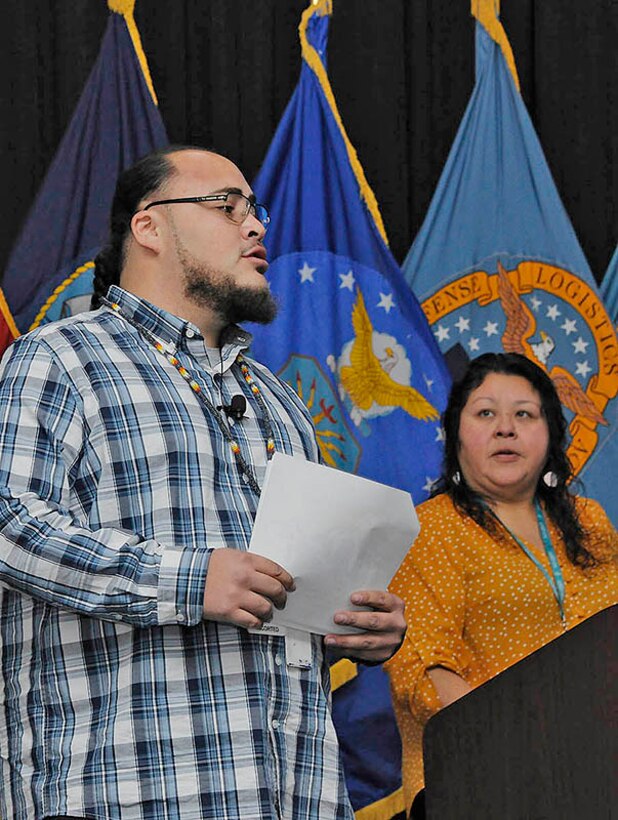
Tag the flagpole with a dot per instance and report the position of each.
(312, 58)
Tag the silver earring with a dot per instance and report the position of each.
(456, 478)
(550, 479)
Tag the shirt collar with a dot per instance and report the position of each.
(173, 330)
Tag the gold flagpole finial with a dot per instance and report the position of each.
(121, 6)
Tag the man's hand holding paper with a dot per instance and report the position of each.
(335, 533)
(242, 588)
(383, 627)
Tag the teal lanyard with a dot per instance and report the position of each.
(555, 579)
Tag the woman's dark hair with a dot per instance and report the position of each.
(558, 501)
(134, 184)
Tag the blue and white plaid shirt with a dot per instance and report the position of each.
(117, 699)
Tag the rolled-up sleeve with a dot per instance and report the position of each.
(431, 583)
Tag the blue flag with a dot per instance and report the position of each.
(609, 287)
(352, 340)
(497, 264)
(49, 274)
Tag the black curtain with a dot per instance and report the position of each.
(402, 72)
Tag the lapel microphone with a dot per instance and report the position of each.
(236, 408)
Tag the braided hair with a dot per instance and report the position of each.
(135, 183)
(558, 501)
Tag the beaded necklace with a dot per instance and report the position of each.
(167, 350)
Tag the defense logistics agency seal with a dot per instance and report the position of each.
(551, 316)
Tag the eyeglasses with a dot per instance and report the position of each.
(237, 206)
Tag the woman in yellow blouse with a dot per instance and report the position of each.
(507, 558)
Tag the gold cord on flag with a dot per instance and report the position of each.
(58, 290)
(126, 8)
(312, 58)
(486, 12)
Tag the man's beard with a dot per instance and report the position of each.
(207, 287)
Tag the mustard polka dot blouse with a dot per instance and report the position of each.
(476, 605)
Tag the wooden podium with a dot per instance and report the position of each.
(537, 742)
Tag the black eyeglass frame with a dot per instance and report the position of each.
(252, 207)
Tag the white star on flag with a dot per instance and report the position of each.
(553, 312)
(463, 324)
(491, 329)
(582, 369)
(306, 273)
(440, 435)
(536, 304)
(386, 302)
(442, 333)
(473, 344)
(580, 345)
(429, 483)
(569, 326)
(347, 280)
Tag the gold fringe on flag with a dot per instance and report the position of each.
(486, 12)
(126, 8)
(314, 62)
(341, 672)
(8, 317)
(384, 809)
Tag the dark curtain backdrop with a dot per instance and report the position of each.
(402, 72)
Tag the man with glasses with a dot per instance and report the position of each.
(133, 445)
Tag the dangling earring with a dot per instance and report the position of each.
(550, 479)
(456, 478)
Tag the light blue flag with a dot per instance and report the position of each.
(116, 121)
(609, 287)
(497, 266)
(352, 340)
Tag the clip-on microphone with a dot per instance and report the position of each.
(236, 408)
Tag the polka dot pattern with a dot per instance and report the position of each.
(477, 605)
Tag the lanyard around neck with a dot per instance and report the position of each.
(554, 578)
(166, 350)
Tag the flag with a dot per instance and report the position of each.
(609, 287)
(117, 121)
(497, 265)
(352, 340)
(8, 328)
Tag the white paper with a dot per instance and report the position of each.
(334, 533)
